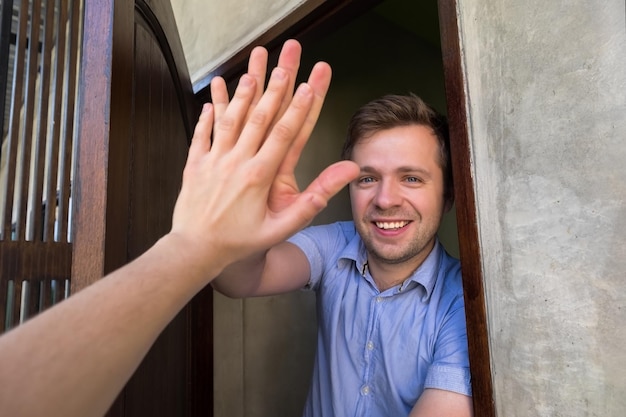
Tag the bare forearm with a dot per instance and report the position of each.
(102, 333)
(241, 279)
(238, 198)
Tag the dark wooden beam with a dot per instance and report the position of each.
(469, 247)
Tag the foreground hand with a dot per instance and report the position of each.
(239, 194)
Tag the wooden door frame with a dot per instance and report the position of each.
(467, 218)
(316, 17)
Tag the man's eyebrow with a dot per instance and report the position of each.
(402, 169)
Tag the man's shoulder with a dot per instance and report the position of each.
(344, 230)
(451, 271)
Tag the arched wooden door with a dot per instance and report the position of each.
(137, 113)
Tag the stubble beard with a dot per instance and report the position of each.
(385, 254)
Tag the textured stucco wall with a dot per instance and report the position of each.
(547, 95)
(212, 31)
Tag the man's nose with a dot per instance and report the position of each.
(388, 195)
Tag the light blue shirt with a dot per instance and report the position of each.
(377, 351)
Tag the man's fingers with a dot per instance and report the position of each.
(316, 196)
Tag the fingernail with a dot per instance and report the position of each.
(279, 73)
(246, 80)
(304, 90)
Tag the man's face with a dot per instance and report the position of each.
(397, 200)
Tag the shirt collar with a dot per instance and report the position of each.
(425, 275)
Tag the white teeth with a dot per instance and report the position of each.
(391, 225)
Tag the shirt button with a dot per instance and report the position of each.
(370, 345)
(365, 390)
(379, 299)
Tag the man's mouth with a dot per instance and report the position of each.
(391, 225)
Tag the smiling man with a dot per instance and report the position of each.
(392, 338)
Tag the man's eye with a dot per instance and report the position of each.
(366, 180)
(414, 179)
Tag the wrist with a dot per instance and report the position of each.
(195, 260)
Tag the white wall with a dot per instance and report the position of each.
(212, 31)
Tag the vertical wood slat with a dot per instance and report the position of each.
(33, 304)
(53, 155)
(39, 159)
(45, 295)
(6, 18)
(25, 137)
(4, 286)
(14, 117)
(70, 94)
(92, 153)
(17, 303)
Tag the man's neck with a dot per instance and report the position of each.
(388, 275)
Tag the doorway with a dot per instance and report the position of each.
(264, 348)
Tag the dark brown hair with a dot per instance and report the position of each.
(392, 111)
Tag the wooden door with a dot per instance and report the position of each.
(137, 116)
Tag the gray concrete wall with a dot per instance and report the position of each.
(547, 97)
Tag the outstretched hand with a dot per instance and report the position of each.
(239, 196)
(239, 193)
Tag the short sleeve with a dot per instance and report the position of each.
(450, 368)
(321, 245)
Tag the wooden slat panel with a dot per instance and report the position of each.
(25, 261)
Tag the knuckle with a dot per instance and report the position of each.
(258, 172)
(225, 123)
(259, 118)
(283, 131)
